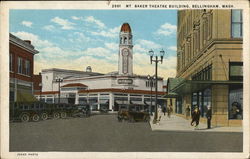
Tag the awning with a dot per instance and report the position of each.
(189, 86)
(25, 97)
(171, 95)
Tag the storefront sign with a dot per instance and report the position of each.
(125, 81)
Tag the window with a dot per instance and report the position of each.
(235, 102)
(204, 74)
(20, 65)
(11, 62)
(236, 70)
(236, 24)
(27, 67)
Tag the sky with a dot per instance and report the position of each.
(75, 39)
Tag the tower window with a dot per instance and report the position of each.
(125, 40)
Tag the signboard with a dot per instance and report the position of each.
(125, 81)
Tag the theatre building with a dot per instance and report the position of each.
(209, 64)
(98, 89)
(21, 64)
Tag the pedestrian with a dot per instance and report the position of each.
(169, 110)
(187, 112)
(164, 110)
(159, 110)
(196, 117)
(209, 116)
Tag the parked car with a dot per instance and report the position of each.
(81, 110)
(133, 113)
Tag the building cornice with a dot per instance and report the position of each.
(22, 44)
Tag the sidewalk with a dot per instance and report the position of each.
(176, 123)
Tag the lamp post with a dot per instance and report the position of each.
(150, 79)
(59, 80)
(154, 58)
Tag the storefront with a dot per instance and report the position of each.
(224, 97)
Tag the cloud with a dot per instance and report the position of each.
(27, 23)
(35, 40)
(148, 44)
(142, 66)
(110, 33)
(49, 27)
(64, 23)
(172, 48)
(76, 18)
(112, 46)
(166, 29)
(91, 19)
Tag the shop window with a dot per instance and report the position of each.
(207, 99)
(134, 100)
(83, 100)
(236, 23)
(236, 70)
(49, 100)
(235, 103)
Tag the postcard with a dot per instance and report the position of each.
(125, 79)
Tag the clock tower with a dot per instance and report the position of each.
(125, 64)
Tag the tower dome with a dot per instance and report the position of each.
(125, 28)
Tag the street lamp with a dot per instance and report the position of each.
(154, 58)
(150, 79)
(59, 80)
(40, 86)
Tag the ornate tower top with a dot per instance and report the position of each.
(126, 28)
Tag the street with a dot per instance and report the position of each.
(103, 133)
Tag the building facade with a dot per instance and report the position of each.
(101, 90)
(209, 64)
(21, 63)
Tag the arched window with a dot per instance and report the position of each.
(125, 40)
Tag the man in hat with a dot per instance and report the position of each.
(196, 117)
(209, 116)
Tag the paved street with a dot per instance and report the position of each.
(104, 133)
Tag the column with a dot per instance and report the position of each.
(111, 101)
(77, 98)
(98, 101)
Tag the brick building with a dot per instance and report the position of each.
(209, 64)
(21, 64)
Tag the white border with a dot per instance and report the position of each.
(4, 78)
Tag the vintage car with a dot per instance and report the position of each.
(81, 110)
(36, 111)
(133, 113)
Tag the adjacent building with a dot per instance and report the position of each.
(21, 64)
(209, 64)
(101, 90)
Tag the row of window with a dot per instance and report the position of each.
(23, 65)
(202, 33)
(150, 83)
(204, 74)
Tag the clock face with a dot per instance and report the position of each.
(125, 52)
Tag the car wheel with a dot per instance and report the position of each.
(44, 116)
(56, 115)
(25, 117)
(63, 114)
(35, 117)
